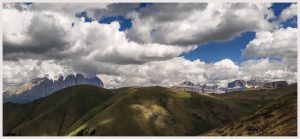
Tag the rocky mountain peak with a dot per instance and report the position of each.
(37, 80)
(237, 83)
(41, 87)
(60, 79)
(70, 77)
(188, 83)
(79, 76)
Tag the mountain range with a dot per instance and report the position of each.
(87, 110)
(237, 85)
(42, 87)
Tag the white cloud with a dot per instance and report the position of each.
(17, 72)
(49, 35)
(268, 69)
(105, 43)
(16, 23)
(162, 73)
(278, 43)
(193, 24)
(113, 9)
(29, 33)
(289, 13)
(215, 72)
(65, 9)
(176, 70)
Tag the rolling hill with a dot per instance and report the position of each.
(132, 111)
(278, 118)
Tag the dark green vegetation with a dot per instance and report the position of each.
(88, 110)
(278, 118)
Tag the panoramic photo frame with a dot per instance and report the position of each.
(149, 69)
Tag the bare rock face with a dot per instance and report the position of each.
(187, 83)
(256, 83)
(276, 84)
(42, 87)
(237, 84)
(199, 88)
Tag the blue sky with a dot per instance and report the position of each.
(124, 22)
(232, 49)
(278, 7)
(216, 51)
(212, 51)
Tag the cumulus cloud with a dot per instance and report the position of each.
(166, 73)
(163, 73)
(289, 13)
(268, 69)
(41, 36)
(65, 9)
(27, 33)
(21, 71)
(96, 11)
(107, 44)
(113, 9)
(193, 24)
(47, 35)
(277, 43)
(280, 43)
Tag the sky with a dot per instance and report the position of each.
(145, 44)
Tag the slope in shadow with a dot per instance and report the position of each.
(278, 118)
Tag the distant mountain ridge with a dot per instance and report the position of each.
(41, 87)
(237, 85)
(200, 88)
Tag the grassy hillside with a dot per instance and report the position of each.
(88, 110)
(278, 118)
(248, 101)
(53, 114)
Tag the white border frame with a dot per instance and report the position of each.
(138, 1)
